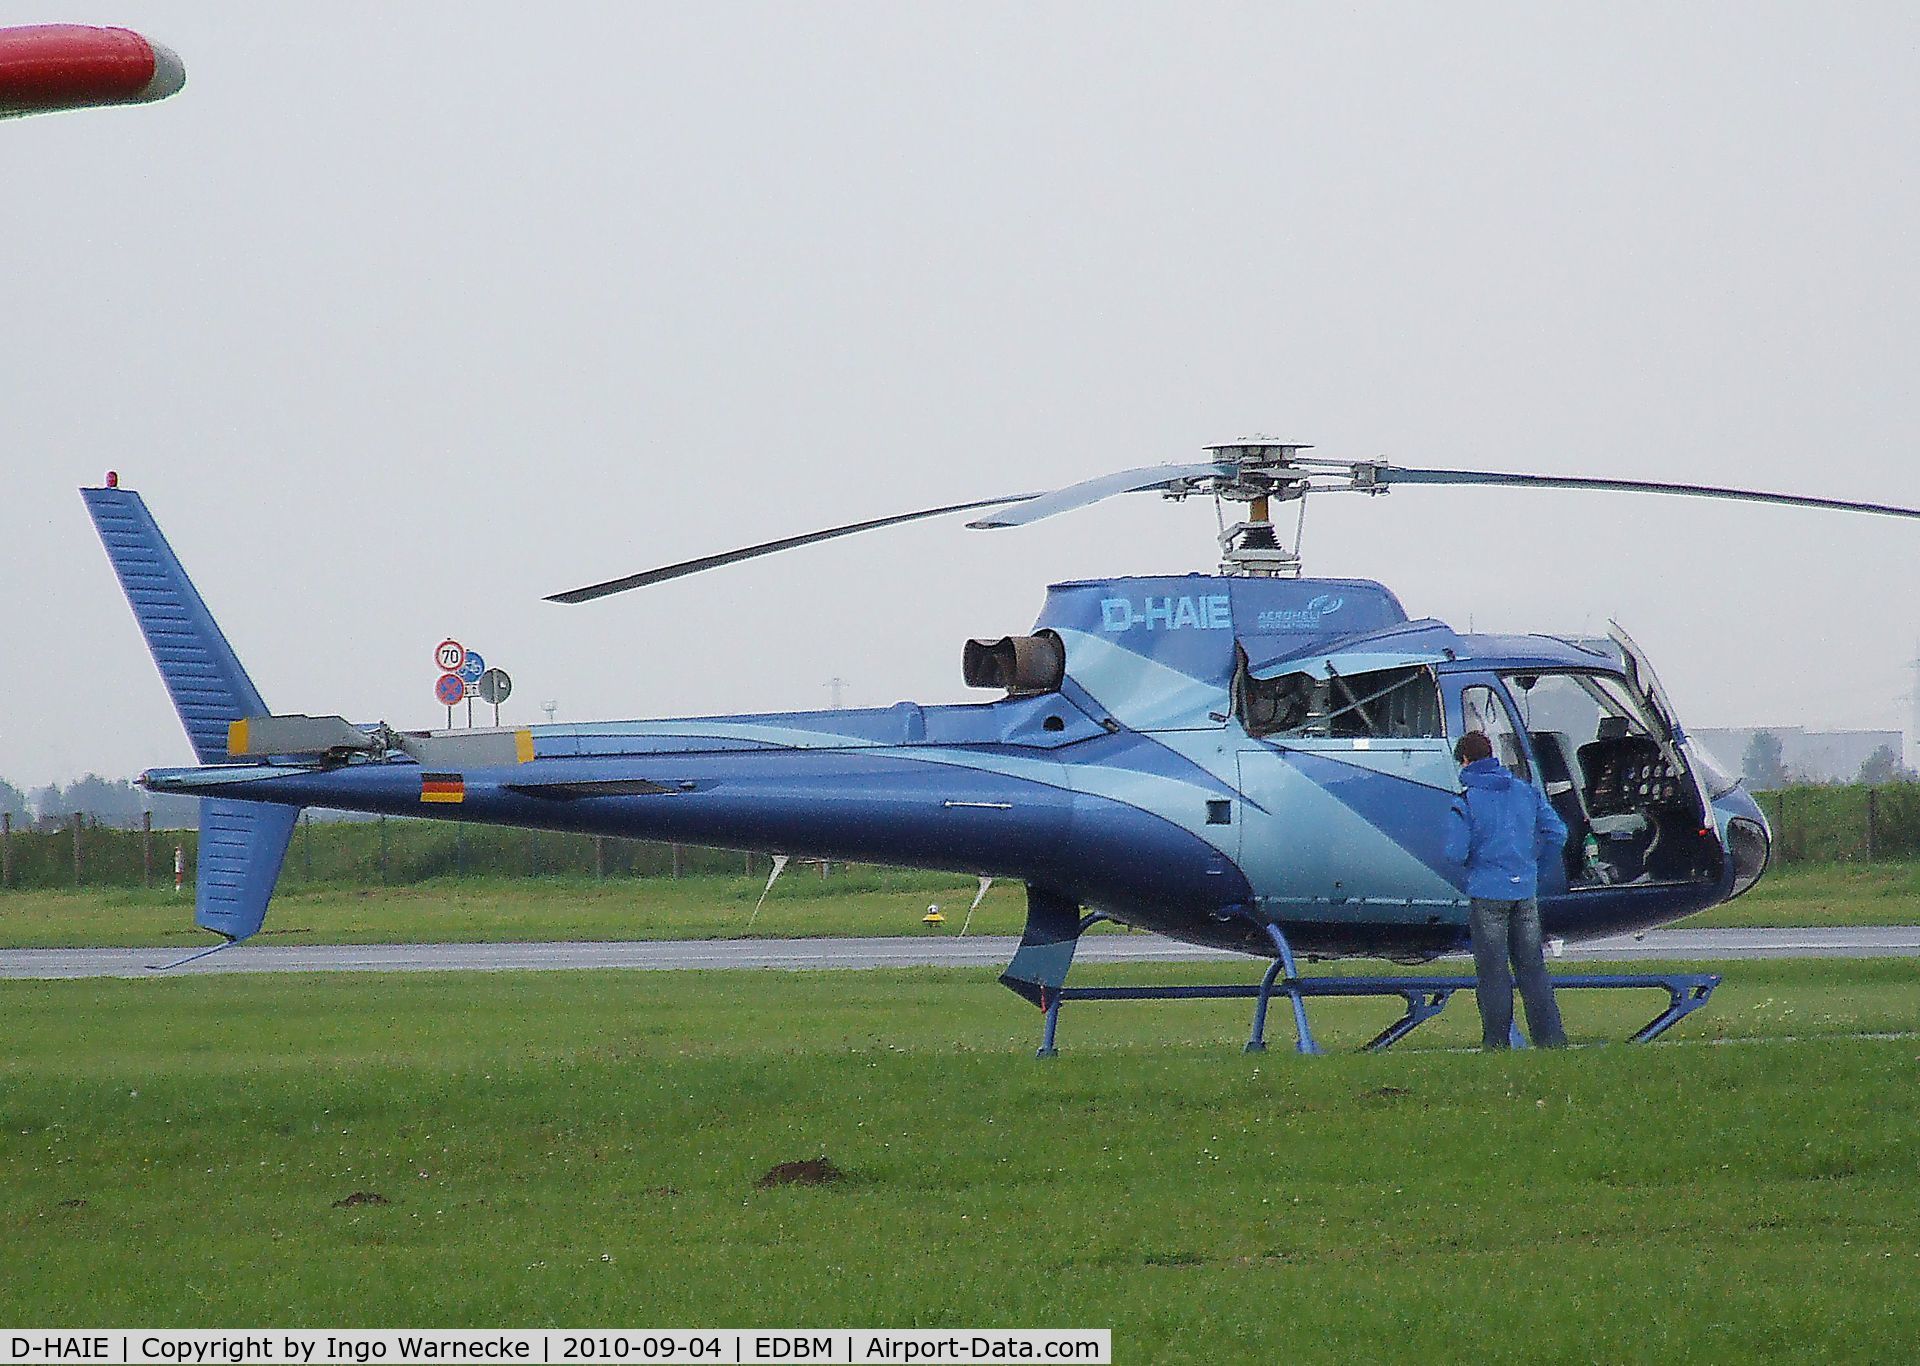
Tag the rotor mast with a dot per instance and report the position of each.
(1265, 472)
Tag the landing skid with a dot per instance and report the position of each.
(1425, 998)
(1054, 926)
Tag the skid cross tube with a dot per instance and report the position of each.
(1425, 997)
(1302, 1032)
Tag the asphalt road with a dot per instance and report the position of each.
(819, 954)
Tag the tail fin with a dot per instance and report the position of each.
(242, 844)
(204, 677)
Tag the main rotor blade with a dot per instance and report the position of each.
(685, 567)
(1093, 490)
(1399, 474)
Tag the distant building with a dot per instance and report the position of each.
(1810, 756)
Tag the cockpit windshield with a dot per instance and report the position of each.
(1623, 790)
(1578, 707)
(1720, 780)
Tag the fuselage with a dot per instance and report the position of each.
(1218, 751)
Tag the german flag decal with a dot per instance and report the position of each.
(442, 787)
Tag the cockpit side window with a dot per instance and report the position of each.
(1482, 710)
(1386, 703)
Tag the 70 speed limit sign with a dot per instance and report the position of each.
(449, 655)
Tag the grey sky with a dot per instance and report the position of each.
(402, 317)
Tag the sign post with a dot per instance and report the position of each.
(470, 670)
(449, 656)
(449, 690)
(495, 687)
(464, 675)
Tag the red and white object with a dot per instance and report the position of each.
(45, 67)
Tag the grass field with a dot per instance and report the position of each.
(865, 901)
(1826, 894)
(582, 1149)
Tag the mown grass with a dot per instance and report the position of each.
(1825, 894)
(863, 901)
(582, 1148)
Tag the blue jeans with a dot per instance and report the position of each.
(1504, 930)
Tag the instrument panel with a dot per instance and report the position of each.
(1630, 774)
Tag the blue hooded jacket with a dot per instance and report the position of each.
(1501, 828)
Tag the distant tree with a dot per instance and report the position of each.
(172, 812)
(112, 801)
(108, 801)
(1763, 763)
(49, 802)
(1884, 766)
(105, 801)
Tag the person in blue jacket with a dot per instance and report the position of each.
(1501, 827)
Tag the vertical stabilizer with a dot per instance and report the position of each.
(242, 845)
(204, 677)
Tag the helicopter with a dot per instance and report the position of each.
(1251, 759)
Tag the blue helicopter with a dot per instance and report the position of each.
(1251, 760)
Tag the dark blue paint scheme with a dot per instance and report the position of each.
(1133, 788)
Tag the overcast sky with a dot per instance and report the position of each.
(404, 316)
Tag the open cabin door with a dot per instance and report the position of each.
(1645, 685)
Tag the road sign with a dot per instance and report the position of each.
(449, 655)
(495, 686)
(472, 668)
(450, 689)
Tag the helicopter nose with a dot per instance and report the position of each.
(1749, 839)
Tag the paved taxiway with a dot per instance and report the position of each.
(929, 951)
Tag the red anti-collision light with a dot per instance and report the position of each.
(72, 66)
(113, 479)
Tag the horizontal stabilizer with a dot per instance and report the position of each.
(259, 736)
(242, 845)
(469, 749)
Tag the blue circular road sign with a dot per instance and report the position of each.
(471, 670)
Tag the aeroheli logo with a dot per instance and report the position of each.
(1211, 613)
(1307, 618)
